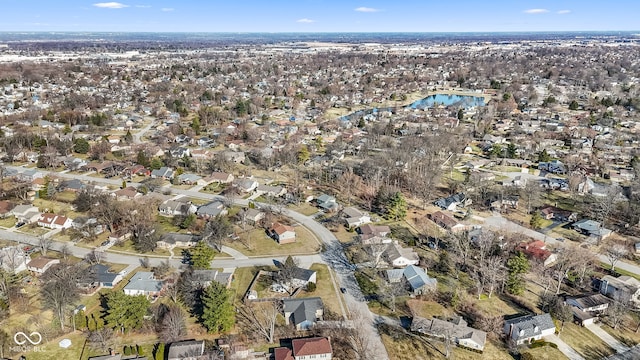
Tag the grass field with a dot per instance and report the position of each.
(255, 242)
(325, 289)
(545, 353)
(585, 342)
(8, 222)
(305, 209)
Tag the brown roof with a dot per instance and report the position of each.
(281, 229)
(39, 263)
(312, 346)
(443, 219)
(47, 218)
(282, 353)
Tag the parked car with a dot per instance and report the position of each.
(343, 290)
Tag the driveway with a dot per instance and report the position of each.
(610, 340)
(564, 348)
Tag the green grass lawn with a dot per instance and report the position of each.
(545, 353)
(585, 342)
(331, 296)
(242, 278)
(127, 246)
(8, 222)
(33, 229)
(65, 196)
(260, 244)
(56, 207)
(626, 333)
(427, 309)
(304, 208)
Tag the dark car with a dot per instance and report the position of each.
(105, 243)
(343, 290)
(20, 224)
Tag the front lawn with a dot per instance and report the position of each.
(585, 342)
(255, 242)
(331, 297)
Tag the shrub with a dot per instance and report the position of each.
(311, 287)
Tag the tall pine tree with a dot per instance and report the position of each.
(217, 312)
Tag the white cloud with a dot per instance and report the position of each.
(305, 21)
(366, 9)
(167, 9)
(111, 5)
(562, 12)
(536, 11)
(143, 6)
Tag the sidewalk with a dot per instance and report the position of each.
(234, 253)
(564, 348)
(607, 338)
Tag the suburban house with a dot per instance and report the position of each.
(74, 185)
(557, 214)
(162, 173)
(245, 185)
(374, 234)
(13, 259)
(457, 329)
(126, 194)
(301, 277)
(26, 213)
(327, 202)
(417, 278)
(203, 278)
(303, 313)
(171, 240)
(220, 177)
(53, 221)
(452, 202)
(354, 217)
(623, 288)
(537, 250)
(41, 264)
(274, 191)
(446, 222)
(592, 229)
(251, 216)
(397, 256)
(525, 329)
(191, 179)
(505, 202)
(87, 226)
(305, 349)
(105, 277)
(587, 308)
(283, 234)
(186, 350)
(177, 207)
(143, 283)
(212, 209)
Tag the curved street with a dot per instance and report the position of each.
(333, 254)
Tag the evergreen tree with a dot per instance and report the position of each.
(544, 156)
(460, 114)
(159, 352)
(142, 159)
(397, 208)
(201, 256)
(444, 263)
(573, 105)
(536, 221)
(156, 163)
(517, 267)
(128, 138)
(124, 311)
(217, 312)
(511, 151)
(195, 125)
(303, 154)
(81, 146)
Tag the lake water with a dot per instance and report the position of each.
(463, 101)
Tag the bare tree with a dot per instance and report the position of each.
(564, 265)
(173, 325)
(260, 319)
(375, 252)
(65, 251)
(617, 312)
(391, 292)
(614, 252)
(44, 244)
(101, 339)
(359, 338)
(95, 257)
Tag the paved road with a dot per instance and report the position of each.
(610, 340)
(333, 255)
(138, 136)
(564, 348)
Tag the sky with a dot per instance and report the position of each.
(319, 15)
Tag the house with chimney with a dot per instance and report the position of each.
(456, 328)
(537, 251)
(283, 234)
(53, 221)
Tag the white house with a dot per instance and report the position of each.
(53, 221)
(41, 264)
(143, 283)
(525, 329)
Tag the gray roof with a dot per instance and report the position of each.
(172, 238)
(185, 349)
(589, 301)
(418, 278)
(207, 276)
(102, 273)
(457, 328)
(302, 274)
(188, 177)
(144, 281)
(324, 198)
(213, 208)
(525, 327)
(302, 309)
